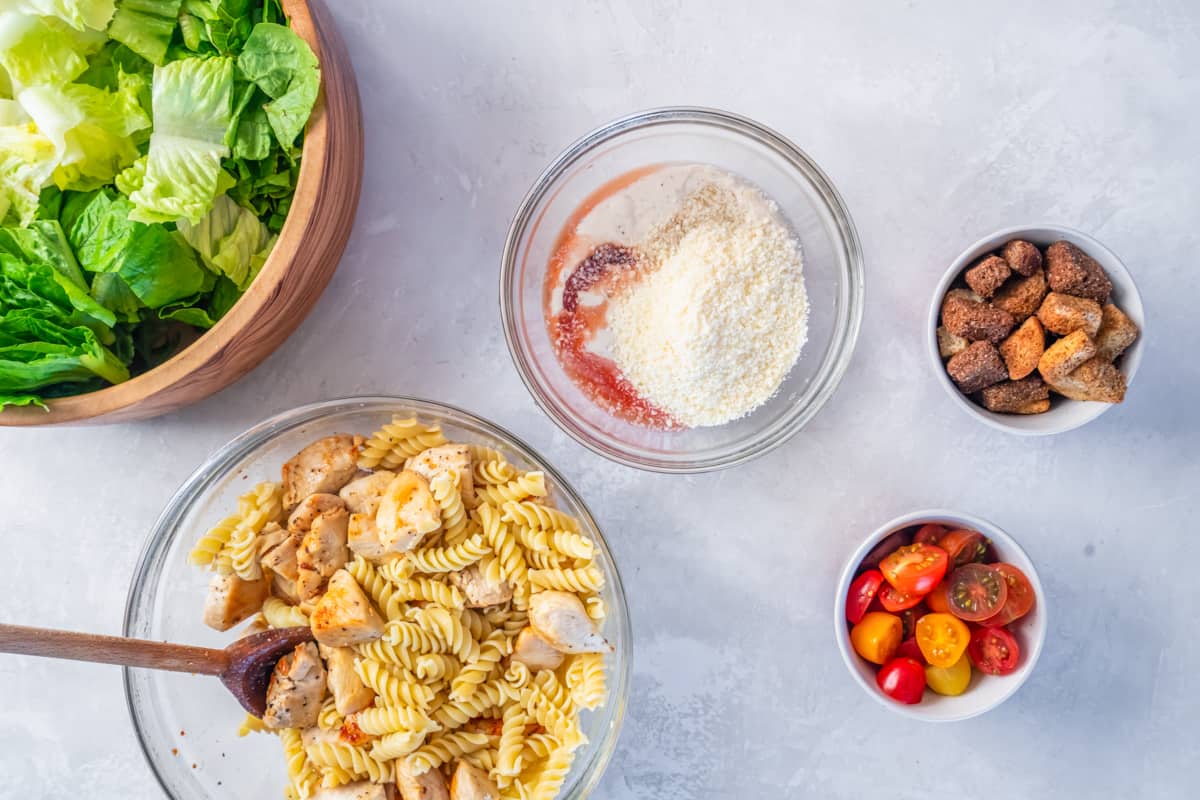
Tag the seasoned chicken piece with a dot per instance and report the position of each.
(326, 465)
(231, 600)
(349, 693)
(407, 512)
(429, 785)
(535, 652)
(278, 551)
(311, 507)
(322, 552)
(362, 536)
(362, 495)
(296, 688)
(472, 783)
(560, 619)
(477, 590)
(436, 460)
(344, 616)
(362, 790)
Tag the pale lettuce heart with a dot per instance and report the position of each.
(27, 159)
(230, 240)
(43, 50)
(79, 14)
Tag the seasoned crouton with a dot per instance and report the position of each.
(322, 467)
(344, 616)
(1023, 296)
(1065, 355)
(349, 692)
(231, 600)
(977, 367)
(1023, 348)
(1095, 379)
(987, 276)
(1034, 407)
(1069, 270)
(1011, 397)
(1064, 313)
(296, 688)
(973, 319)
(949, 345)
(1116, 333)
(1023, 257)
(362, 495)
(436, 460)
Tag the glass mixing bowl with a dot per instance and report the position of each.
(187, 724)
(833, 276)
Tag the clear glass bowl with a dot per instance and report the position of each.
(187, 724)
(833, 274)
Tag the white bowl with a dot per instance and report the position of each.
(1064, 414)
(986, 691)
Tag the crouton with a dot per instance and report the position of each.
(1065, 355)
(1023, 348)
(1034, 407)
(972, 319)
(1023, 257)
(1011, 397)
(1116, 333)
(949, 345)
(1021, 297)
(1064, 313)
(987, 276)
(977, 367)
(1095, 379)
(1069, 270)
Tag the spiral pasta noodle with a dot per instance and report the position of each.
(536, 515)
(459, 712)
(450, 559)
(350, 758)
(279, 614)
(494, 472)
(387, 599)
(584, 580)
(446, 489)
(585, 678)
(530, 484)
(380, 720)
(392, 688)
(443, 747)
(211, 543)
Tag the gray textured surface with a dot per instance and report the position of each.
(938, 125)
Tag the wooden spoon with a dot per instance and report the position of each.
(244, 667)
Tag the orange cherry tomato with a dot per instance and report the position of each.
(876, 636)
(915, 568)
(943, 638)
(1020, 599)
(936, 599)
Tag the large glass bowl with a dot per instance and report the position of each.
(187, 724)
(833, 276)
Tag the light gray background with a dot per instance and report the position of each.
(938, 124)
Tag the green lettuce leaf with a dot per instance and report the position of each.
(146, 27)
(43, 50)
(285, 68)
(79, 14)
(36, 352)
(231, 241)
(178, 178)
(111, 291)
(22, 400)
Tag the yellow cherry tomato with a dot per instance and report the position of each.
(952, 680)
(876, 636)
(942, 638)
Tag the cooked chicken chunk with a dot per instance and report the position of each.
(324, 466)
(362, 495)
(231, 600)
(407, 512)
(362, 536)
(436, 460)
(428, 785)
(278, 551)
(363, 790)
(535, 652)
(311, 507)
(476, 588)
(349, 693)
(322, 552)
(561, 619)
(296, 688)
(344, 616)
(472, 783)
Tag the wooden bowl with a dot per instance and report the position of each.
(297, 271)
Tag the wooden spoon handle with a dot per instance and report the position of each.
(111, 650)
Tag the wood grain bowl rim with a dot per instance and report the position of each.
(169, 379)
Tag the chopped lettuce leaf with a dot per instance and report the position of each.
(22, 400)
(27, 159)
(43, 50)
(231, 241)
(79, 14)
(283, 66)
(146, 27)
(36, 352)
(177, 179)
(111, 291)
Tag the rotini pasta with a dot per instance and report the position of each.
(585, 679)
(393, 686)
(448, 494)
(583, 580)
(449, 559)
(251, 724)
(387, 599)
(443, 747)
(493, 472)
(535, 515)
(381, 720)
(212, 542)
(477, 670)
(484, 698)
(530, 484)
(350, 758)
(279, 614)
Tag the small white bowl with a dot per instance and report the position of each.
(1064, 414)
(986, 691)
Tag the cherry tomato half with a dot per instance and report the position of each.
(994, 651)
(1020, 595)
(936, 599)
(975, 592)
(902, 679)
(915, 568)
(876, 636)
(910, 649)
(963, 547)
(897, 601)
(909, 617)
(929, 534)
(952, 680)
(885, 548)
(942, 638)
(862, 592)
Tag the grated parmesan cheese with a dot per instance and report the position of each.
(712, 330)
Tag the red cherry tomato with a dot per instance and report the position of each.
(993, 651)
(963, 547)
(1020, 596)
(975, 592)
(910, 649)
(929, 534)
(915, 568)
(902, 679)
(862, 592)
(894, 601)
